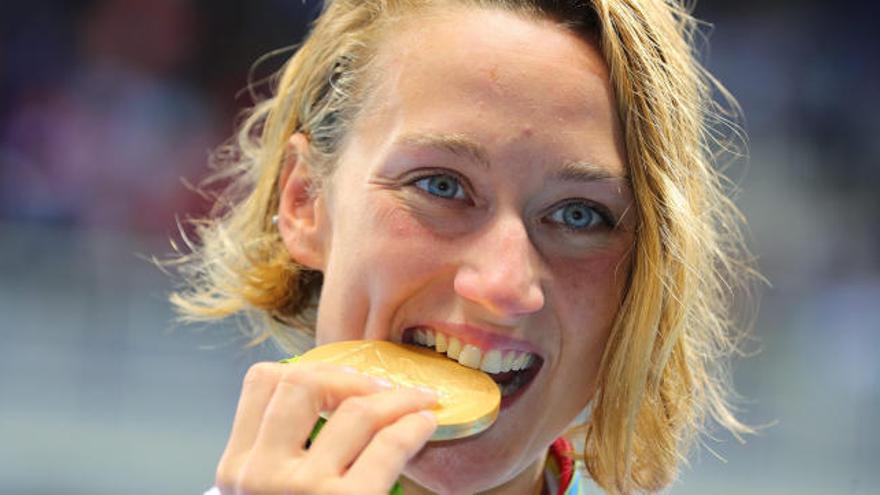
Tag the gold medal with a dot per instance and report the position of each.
(468, 399)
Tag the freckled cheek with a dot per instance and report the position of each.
(591, 291)
(601, 275)
(589, 294)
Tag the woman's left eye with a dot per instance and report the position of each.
(442, 185)
(578, 216)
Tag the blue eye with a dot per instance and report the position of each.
(577, 216)
(442, 185)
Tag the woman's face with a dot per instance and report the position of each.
(483, 194)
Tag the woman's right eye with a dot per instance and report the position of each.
(444, 186)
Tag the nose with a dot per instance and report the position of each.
(501, 271)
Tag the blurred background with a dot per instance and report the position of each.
(109, 107)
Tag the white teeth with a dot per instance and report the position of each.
(454, 348)
(518, 361)
(508, 361)
(470, 356)
(491, 362)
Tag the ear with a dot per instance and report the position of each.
(301, 220)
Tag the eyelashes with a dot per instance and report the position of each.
(573, 215)
(444, 186)
(580, 215)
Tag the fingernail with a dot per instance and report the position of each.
(430, 415)
(382, 382)
(428, 390)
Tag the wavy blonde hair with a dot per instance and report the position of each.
(662, 374)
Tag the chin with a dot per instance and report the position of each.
(484, 461)
(460, 467)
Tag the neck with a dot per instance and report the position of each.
(530, 481)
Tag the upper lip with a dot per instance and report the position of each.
(480, 336)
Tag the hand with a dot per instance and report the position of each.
(374, 430)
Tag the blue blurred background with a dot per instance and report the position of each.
(108, 107)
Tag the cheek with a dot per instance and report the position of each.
(589, 300)
(379, 257)
(595, 283)
(398, 253)
(590, 293)
(404, 230)
(397, 222)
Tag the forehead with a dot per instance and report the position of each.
(473, 68)
(486, 38)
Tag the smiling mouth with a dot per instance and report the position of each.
(511, 369)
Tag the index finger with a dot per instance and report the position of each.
(289, 397)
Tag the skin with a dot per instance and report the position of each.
(519, 107)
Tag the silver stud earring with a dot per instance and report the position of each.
(274, 219)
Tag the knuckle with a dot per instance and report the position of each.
(252, 478)
(273, 416)
(394, 440)
(297, 375)
(365, 410)
(229, 474)
(228, 469)
(360, 407)
(225, 476)
(249, 484)
(261, 373)
(305, 382)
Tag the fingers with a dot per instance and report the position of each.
(280, 403)
(371, 434)
(382, 461)
(256, 391)
(301, 394)
(355, 423)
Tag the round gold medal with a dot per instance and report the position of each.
(468, 399)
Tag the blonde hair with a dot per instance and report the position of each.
(662, 374)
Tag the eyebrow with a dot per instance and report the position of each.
(461, 145)
(580, 171)
(457, 144)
